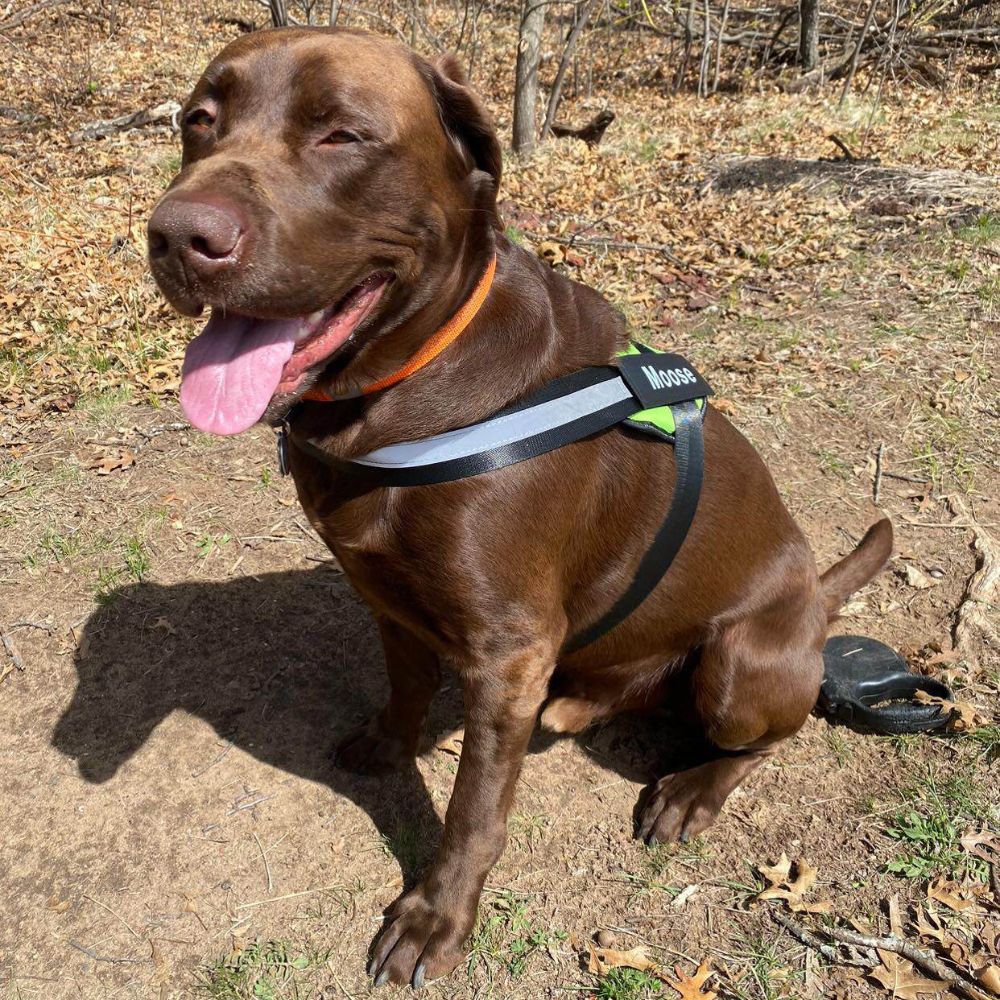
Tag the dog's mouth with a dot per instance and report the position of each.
(237, 364)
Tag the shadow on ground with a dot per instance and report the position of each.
(283, 665)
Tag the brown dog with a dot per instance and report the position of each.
(336, 206)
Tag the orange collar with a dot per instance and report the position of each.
(433, 346)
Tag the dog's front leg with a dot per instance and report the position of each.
(426, 928)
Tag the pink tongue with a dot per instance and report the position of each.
(232, 369)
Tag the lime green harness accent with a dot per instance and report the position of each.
(658, 421)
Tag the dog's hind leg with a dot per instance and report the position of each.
(752, 688)
(392, 737)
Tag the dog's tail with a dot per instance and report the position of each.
(858, 567)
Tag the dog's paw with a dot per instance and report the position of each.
(680, 807)
(370, 750)
(420, 942)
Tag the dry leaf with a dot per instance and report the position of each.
(989, 937)
(691, 987)
(603, 960)
(989, 977)
(941, 891)
(823, 906)
(684, 895)
(895, 974)
(895, 917)
(783, 886)
(780, 873)
(962, 717)
(57, 904)
(974, 842)
(928, 926)
(112, 462)
(902, 980)
(161, 972)
(551, 252)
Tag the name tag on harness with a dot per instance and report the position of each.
(657, 379)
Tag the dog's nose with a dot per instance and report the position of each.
(204, 233)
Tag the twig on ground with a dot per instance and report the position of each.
(960, 525)
(117, 916)
(842, 146)
(906, 479)
(102, 129)
(198, 774)
(46, 627)
(972, 620)
(267, 865)
(156, 431)
(291, 895)
(877, 484)
(11, 651)
(808, 938)
(90, 953)
(918, 956)
(18, 19)
(252, 804)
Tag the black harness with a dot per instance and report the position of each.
(648, 390)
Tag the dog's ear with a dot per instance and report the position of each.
(464, 117)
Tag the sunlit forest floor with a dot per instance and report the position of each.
(187, 654)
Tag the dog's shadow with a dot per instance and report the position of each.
(282, 665)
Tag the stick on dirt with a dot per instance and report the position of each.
(877, 484)
(90, 953)
(117, 916)
(808, 938)
(979, 602)
(267, 866)
(11, 651)
(102, 129)
(899, 946)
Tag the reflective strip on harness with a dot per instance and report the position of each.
(498, 432)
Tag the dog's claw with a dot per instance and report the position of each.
(381, 977)
(418, 976)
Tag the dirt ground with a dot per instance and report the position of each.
(182, 654)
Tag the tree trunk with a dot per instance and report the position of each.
(582, 14)
(808, 34)
(279, 13)
(529, 54)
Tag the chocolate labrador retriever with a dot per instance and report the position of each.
(336, 208)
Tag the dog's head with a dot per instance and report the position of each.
(328, 183)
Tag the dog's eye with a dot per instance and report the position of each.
(199, 118)
(340, 137)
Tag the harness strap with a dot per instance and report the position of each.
(565, 410)
(689, 453)
(594, 400)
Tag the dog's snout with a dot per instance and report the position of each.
(203, 234)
